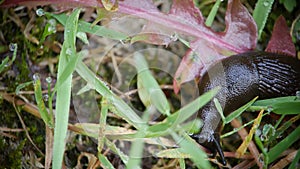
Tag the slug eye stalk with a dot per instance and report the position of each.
(213, 145)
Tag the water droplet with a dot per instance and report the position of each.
(266, 3)
(36, 77)
(49, 80)
(258, 132)
(69, 51)
(174, 37)
(298, 95)
(40, 12)
(45, 97)
(52, 29)
(12, 46)
(269, 109)
(122, 42)
(263, 138)
(52, 22)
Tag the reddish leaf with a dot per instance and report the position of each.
(281, 40)
(66, 3)
(184, 17)
(155, 34)
(240, 31)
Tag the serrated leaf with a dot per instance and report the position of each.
(184, 17)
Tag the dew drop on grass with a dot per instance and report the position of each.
(36, 77)
(49, 80)
(298, 95)
(52, 22)
(45, 97)
(12, 46)
(266, 3)
(69, 51)
(40, 12)
(122, 42)
(52, 27)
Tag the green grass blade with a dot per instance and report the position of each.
(183, 114)
(137, 147)
(105, 162)
(239, 111)
(261, 13)
(148, 89)
(102, 124)
(68, 70)
(274, 153)
(136, 154)
(219, 109)
(119, 106)
(281, 105)
(116, 150)
(295, 161)
(6, 62)
(212, 13)
(21, 86)
(89, 28)
(40, 102)
(187, 145)
(64, 91)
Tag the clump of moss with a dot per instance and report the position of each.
(11, 153)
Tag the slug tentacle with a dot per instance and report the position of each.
(243, 77)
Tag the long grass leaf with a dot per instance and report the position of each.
(281, 105)
(40, 102)
(274, 153)
(239, 111)
(105, 162)
(120, 107)
(183, 114)
(148, 88)
(190, 147)
(261, 13)
(64, 91)
(89, 28)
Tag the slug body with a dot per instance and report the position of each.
(243, 77)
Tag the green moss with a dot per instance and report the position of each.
(11, 153)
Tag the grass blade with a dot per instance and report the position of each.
(261, 13)
(105, 162)
(190, 147)
(182, 114)
(239, 111)
(284, 144)
(89, 28)
(120, 107)
(64, 91)
(6, 62)
(148, 89)
(40, 102)
(281, 105)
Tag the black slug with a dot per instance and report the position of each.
(243, 77)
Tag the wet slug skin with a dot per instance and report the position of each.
(242, 77)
